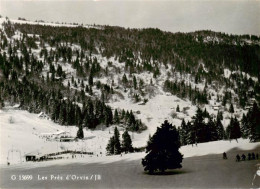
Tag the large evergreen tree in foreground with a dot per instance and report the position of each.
(163, 150)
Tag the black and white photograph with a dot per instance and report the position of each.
(129, 94)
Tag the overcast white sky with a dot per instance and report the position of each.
(237, 17)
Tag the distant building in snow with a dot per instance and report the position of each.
(57, 135)
(33, 156)
(67, 139)
(30, 157)
(216, 107)
(43, 116)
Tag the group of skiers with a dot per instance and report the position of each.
(250, 156)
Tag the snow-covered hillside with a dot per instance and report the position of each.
(83, 71)
(21, 131)
(116, 72)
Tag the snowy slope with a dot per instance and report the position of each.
(20, 132)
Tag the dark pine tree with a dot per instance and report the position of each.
(111, 146)
(163, 150)
(191, 135)
(117, 145)
(116, 117)
(90, 79)
(212, 130)
(231, 108)
(184, 133)
(178, 108)
(80, 133)
(135, 83)
(197, 130)
(124, 79)
(220, 129)
(254, 123)
(245, 129)
(233, 129)
(59, 71)
(127, 142)
(220, 115)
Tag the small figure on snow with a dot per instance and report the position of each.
(243, 157)
(253, 156)
(257, 156)
(249, 156)
(224, 155)
(238, 158)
